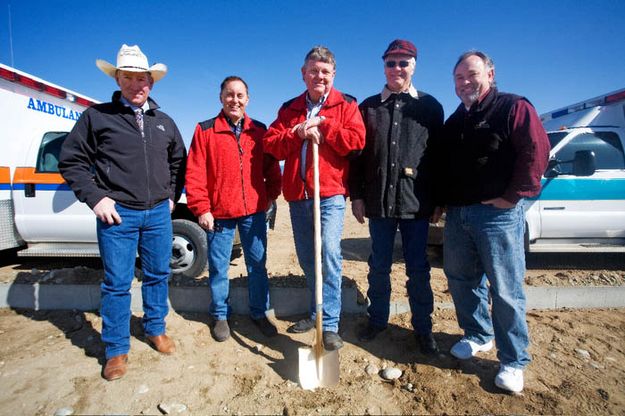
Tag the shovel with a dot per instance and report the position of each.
(317, 367)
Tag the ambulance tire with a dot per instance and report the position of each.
(189, 257)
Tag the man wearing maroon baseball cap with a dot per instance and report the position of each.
(401, 47)
(390, 184)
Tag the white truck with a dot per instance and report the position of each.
(582, 203)
(39, 214)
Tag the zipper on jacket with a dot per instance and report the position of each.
(302, 175)
(238, 139)
(145, 156)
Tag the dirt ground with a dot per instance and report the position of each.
(51, 361)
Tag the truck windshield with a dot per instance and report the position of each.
(555, 138)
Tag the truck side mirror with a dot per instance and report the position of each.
(552, 168)
(584, 163)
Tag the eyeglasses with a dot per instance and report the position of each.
(392, 64)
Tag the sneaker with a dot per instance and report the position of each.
(221, 330)
(266, 326)
(301, 326)
(510, 379)
(332, 341)
(465, 349)
(369, 332)
(427, 344)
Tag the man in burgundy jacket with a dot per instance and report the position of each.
(493, 154)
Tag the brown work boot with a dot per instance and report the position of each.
(115, 367)
(163, 344)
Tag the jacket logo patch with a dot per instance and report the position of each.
(160, 127)
(482, 125)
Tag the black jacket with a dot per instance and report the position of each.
(479, 153)
(105, 155)
(393, 174)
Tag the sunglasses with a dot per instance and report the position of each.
(392, 64)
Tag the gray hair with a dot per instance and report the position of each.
(320, 54)
(488, 62)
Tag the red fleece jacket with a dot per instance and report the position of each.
(344, 136)
(227, 178)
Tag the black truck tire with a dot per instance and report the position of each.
(188, 256)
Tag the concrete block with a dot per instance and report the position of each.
(189, 299)
(62, 297)
(615, 297)
(288, 301)
(541, 297)
(580, 297)
(17, 296)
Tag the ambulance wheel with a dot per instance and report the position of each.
(188, 254)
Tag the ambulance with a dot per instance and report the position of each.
(582, 203)
(39, 214)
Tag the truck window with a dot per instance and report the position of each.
(49, 151)
(555, 138)
(606, 146)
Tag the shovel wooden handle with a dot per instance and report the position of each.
(323, 371)
(317, 231)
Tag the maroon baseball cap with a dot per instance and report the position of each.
(400, 47)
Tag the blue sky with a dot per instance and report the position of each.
(554, 52)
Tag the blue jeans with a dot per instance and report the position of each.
(253, 233)
(484, 244)
(414, 235)
(332, 215)
(149, 231)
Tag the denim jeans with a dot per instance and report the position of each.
(484, 244)
(149, 231)
(332, 215)
(253, 233)
(414, 234)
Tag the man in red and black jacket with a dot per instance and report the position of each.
(331, 119)
(230, 184)
(494, 152)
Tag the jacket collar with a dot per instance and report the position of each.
(334, 97)
(221, 123)
(485, 103)
(386, 93)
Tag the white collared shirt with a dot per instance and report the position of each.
(145, 107)
(386, 93)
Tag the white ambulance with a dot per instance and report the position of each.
(582, 203)
(39, 214)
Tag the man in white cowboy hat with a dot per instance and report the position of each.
(126, 160)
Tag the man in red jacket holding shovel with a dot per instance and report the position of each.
(331, 119)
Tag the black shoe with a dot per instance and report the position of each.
(221, 330)
(332, 341)
(369, 332)
(266, 327)
(301, 326)
(427, 344)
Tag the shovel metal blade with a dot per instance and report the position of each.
(322, 371)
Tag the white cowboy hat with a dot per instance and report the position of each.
(130, 58)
